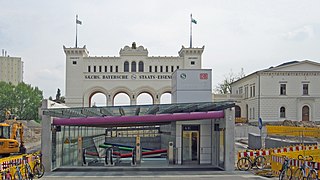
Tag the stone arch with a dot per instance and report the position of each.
(144, 98)
(118, 90)
(90, 92)
(164, 90)
(146, 89)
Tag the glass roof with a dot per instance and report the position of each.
(138, 110)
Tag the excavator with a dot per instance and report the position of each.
(9, 143)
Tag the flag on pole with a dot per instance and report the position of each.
(193, 21)
(79, 22)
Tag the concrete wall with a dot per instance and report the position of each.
(277, 142)
(254, 141)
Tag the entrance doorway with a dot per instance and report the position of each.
(190, 144)
(305, 113)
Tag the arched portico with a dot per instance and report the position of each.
(90, 92)
(145, 89)
(118, 90)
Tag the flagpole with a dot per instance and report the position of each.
(190, 30)
(76, 31)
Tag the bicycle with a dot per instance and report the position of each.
(27, 169)
(18, 175)
(38, 169)
(245, 163)
(5, 174)
(286, 171)
(300, 173)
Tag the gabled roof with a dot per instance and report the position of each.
(288, 66)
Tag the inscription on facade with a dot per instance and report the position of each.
(126, 77)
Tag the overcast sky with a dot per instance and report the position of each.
(248, 34)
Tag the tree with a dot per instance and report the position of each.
(6, 98)
(22, 100)
(225, 86)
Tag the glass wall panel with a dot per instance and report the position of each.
(190, 144)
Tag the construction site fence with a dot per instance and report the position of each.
(17, 160)
(267, 153)
(293, 131)
(278, 159)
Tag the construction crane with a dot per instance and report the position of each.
(9, 130)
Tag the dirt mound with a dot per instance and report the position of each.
(299, 123)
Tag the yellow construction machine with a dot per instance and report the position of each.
(8, 136)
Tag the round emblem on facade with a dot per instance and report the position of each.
(183, 76)
(133, 76)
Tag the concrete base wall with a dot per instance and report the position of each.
(276, 142)
(254, 141)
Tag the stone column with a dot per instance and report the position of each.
(229, 139)
(109, 100)
(46, 139)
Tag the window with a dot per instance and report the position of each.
(250, 91)
(117, 69)
(133, 66)
(305, 88)
(94, 68)
(254, 91)
(150, 68)
(161, 68)
(237, 111)
(282, 112)
(246, 93)
(240, 90)
(74, 62)
(100, 68)
(156, 69)
(193, 62)
(141, 66)
(126, 66)
(172, 68)
(111, 68)
(282, 89)
(89, 68)
(105, 69)
(178, 67)
(167, 68)
(253, 114)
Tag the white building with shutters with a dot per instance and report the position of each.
(288, 91)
